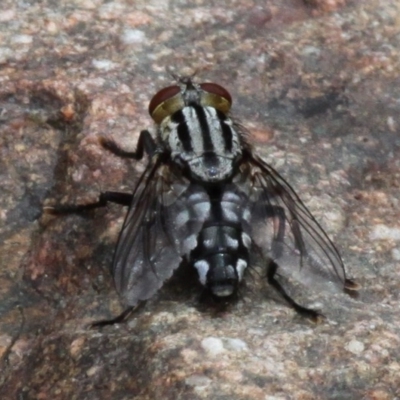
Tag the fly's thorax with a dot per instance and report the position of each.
(204, 141)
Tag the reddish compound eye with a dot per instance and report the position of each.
(217, 90)
(163, 95)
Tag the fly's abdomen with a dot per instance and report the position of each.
(222, 253)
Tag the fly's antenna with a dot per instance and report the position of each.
(183, 79)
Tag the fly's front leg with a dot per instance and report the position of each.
(146, 144)
(306, 312)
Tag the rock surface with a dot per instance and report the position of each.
(317, 84)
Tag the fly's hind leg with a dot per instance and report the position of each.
(306, 312)
(277, 214)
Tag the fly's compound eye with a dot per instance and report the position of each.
(165, 103)
(215, 96)
(173, 98)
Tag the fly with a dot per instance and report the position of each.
(207, 197)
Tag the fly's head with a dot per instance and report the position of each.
(174, 98)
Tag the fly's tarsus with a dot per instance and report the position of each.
(121, 318)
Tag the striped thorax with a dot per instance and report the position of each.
(194, 125)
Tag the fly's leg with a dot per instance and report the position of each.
(146, 144)
(121, 318)
(124, 199)
(298, 240)
(279, 219)
(306, 312)
(277, 214)
(4, 358)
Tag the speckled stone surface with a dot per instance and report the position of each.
(318, 85)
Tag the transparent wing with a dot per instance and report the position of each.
(159, 230)
(284, 229)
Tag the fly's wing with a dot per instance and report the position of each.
(152, 241)
(284, 229)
